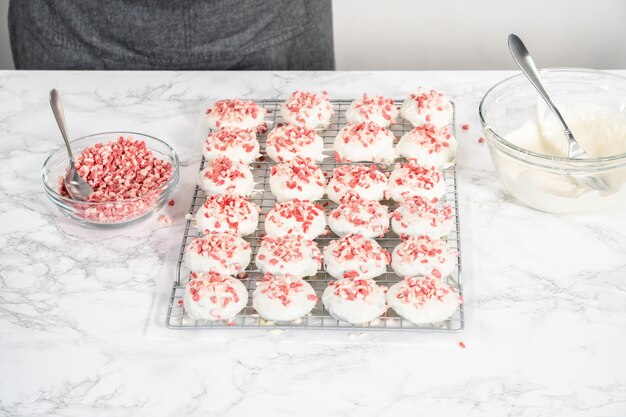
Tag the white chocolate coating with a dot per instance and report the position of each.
(359, 217)
(297, 179)
(283, 298)
(354, 301)
(355, 256)
(365, 182)
(423, 300)
(218, 252)
(364, 142)
(423, 256)
(223, 176)
(295, 217)
(411, 180)
(429, 145)
(289, 255)
(425, 106)
(243, 114)
(228, 213)
(309, 110)
(234, 143)
(286, 142)
(377, 109)
(417, 217)
(212, 296)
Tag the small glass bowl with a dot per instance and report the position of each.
(108, 214)
(551, 183)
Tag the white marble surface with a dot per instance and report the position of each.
(546, 294)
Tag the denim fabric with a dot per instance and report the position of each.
(171, 34)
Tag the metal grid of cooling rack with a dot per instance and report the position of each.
(319, 318)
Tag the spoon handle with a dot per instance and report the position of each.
(528, 67)
(59, 115)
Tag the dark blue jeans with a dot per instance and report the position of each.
(172, 34)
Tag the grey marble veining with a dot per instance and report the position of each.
(546, 294)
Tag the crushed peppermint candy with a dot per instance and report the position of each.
(432, 138)
(231, 137)
(348, 179)
(165, 219)
(290, 248)
(123, 172)
(481, 140)
(290, 138)
(303, 105)
(360, 248)
(230, 209)
(423, 249)
(465, 126)
(357, 289)
(222, 170)
(416, 176)
(216, 286)
(171, 202)
(235, 110)
(367, 215)
(365, 133)
(419, 290)
(303, 212)
(298, 172)
(376, 105)
(424, 209)
(218, 246)
(283, 288)
(428, 101)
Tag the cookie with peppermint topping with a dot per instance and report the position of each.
(232, 142)
(295, 217)
(361, 181)
(307, 109)
(244, 114)
(355, 256)
(423, 255)
(213, 296)
(377, 109)
(429, 145)
(427, 106)
(423, 300)
(228, 213)
(359, 217)
(286, 142)
(418, 216)
(289, 255)
(283, 298)
(410, 180)
(355, 301)
(364, 142)
(224, 176)
(298, 179)
(219, 252)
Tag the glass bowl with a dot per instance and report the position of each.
(109, 214)
(554, 184)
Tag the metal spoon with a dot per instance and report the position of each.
(76, 187)
(527, 65)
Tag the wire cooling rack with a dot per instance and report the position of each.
(319, 318)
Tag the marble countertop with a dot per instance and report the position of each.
(546, 294)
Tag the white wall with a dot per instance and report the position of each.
(471, 34)
(462, 34)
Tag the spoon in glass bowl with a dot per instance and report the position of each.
(527, 65)
(76, 187)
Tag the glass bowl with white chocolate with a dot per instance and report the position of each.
(529, 149)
